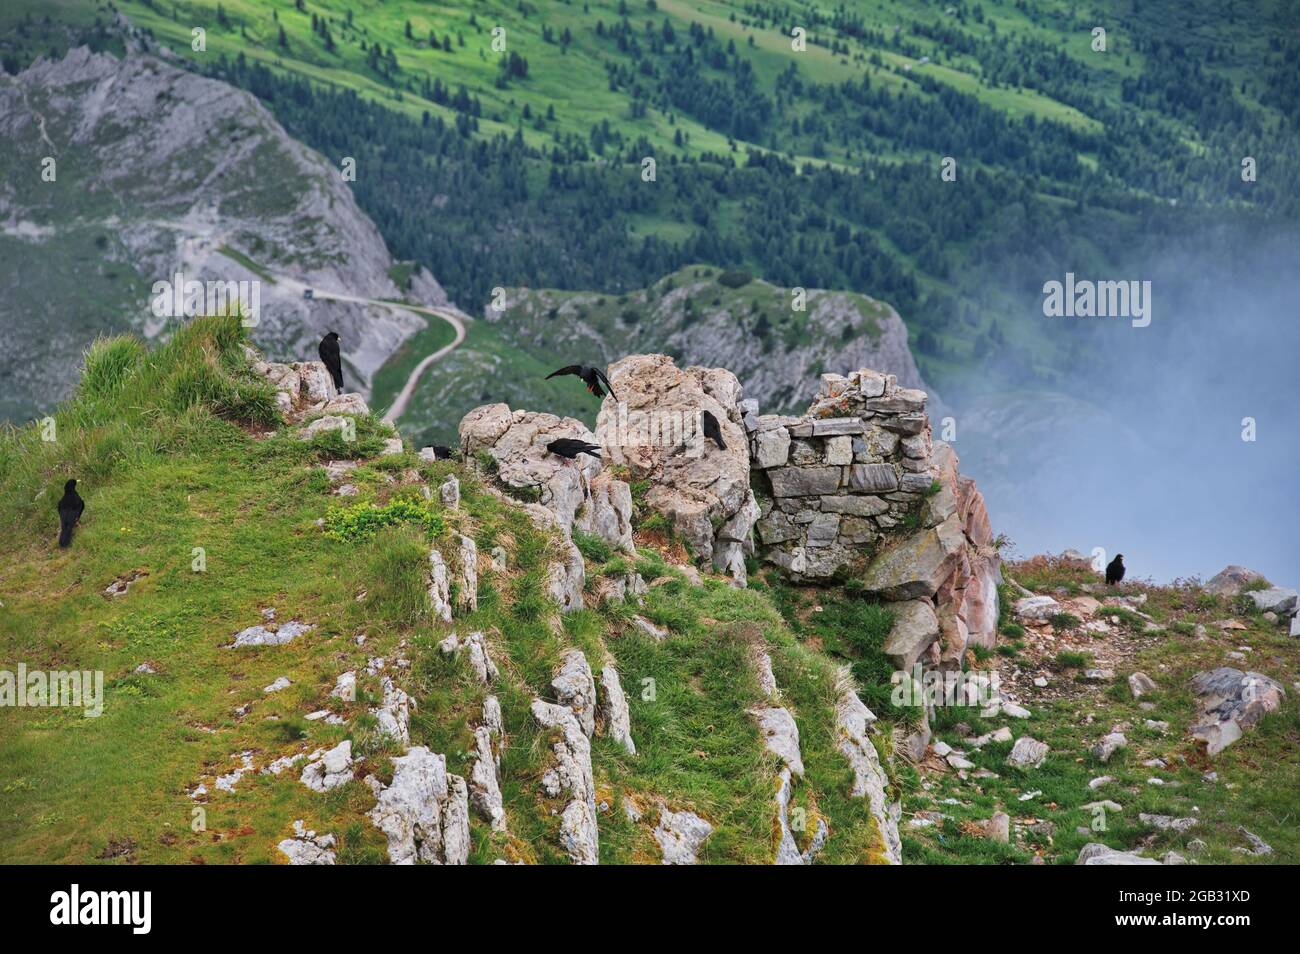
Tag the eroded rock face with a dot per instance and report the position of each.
(570, 776)
(614, 710)
(608, 512)
(1230, 702)
(515, 442)
(852, 722)
(654, 430)
(424, 812)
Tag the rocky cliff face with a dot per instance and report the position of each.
(158, 170)
(775, 342)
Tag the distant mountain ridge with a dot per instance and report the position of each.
(776, 340)
(158, 170)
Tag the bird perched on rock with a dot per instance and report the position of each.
(713, 430)
(593, 377)
(329, 354)
(1115, 570)
(441, 452)
(570, 448)
(70, 509)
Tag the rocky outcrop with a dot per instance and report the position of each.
(654, 429)
(261, 205)
(307, 848)
(1230, 702)
(570, 777)
(616, 719)
(608, 512)
(852, 723)
(575, 687)
(327, 770)
(466, 575)
(511, 445)
(475, 647)
(424, 812)
(484, 780)
(439, 587)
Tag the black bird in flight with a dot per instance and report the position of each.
(593, 377)
(712, 429)
(329, 353)
(70, 508)
(571, 447)
(1115, 570)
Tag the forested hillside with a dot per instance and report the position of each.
(818, 167)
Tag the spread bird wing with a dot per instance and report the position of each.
(604, 380)
(571, 369)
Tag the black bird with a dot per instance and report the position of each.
(1115, 570)
(70, 508)
(713, 430)
(329, 353)
(571, 447)
(593, 377)
(441, 453)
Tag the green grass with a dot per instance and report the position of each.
(176, 461)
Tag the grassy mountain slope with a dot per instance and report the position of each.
(198, 464)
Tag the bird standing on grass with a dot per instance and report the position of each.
(329, 354)
(70, 508)
(713, 430)
(1115, 570)
(570, 448)
(594, 378)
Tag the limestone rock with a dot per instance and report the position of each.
(467, 575)
(1231, 701)
(654, 430)
(485, 787)
(1035, 607)
(571, 775)
(515, 443)
(307, 848)
(608, 512)
(680, 835)
(565, 579)
(1231, 580)
(424, 812)
(1109, 745)
(780, 735)
(575, 687)
(449, 493)
(916, 565)
(1028, 752)
(915, 629)
(327, 770)
(1098, 854)
(614, 710)
(439, 587)
(852, 719)
(476, 649)
(1140, 684)
(1276, 599)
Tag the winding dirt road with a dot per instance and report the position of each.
(446, 314)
